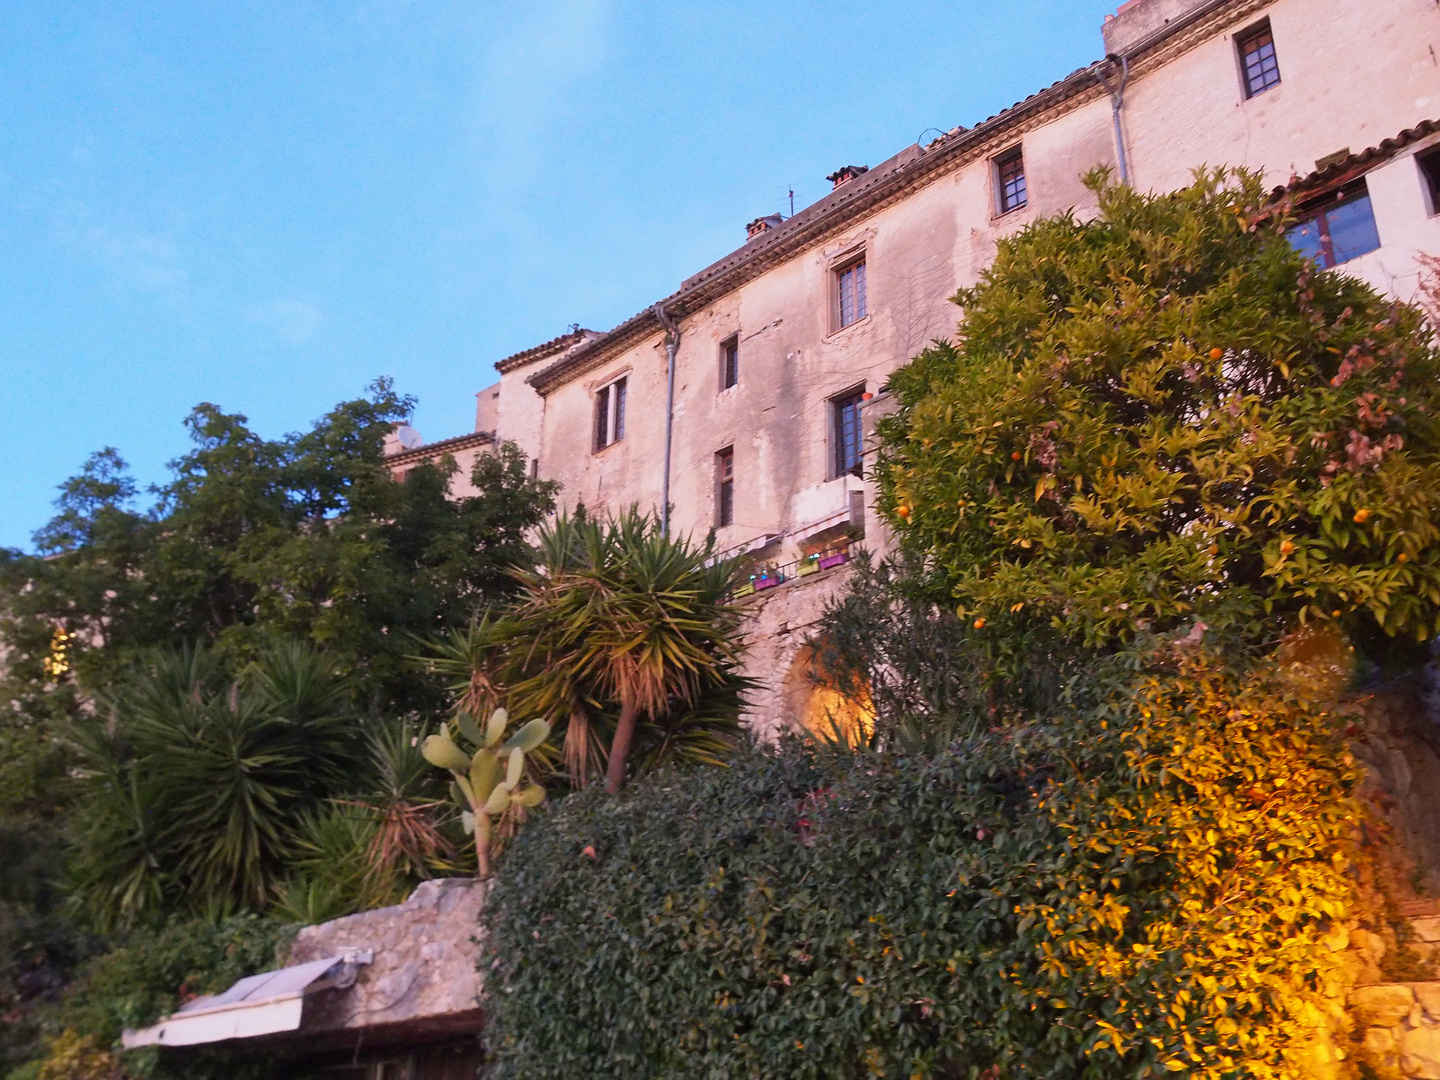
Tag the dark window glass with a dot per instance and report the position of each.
(848, 436)
(1340, 228)
(1257, 59)
(851, 282)
(610, 414)
(1010, 181)
(725, 487)
(729, 363)
(602, 418)
(1430, 174)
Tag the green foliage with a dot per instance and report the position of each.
(195, 784)
(329, 872)
(1137, 887)
(1166, 413)
(622, 640)
(197, 805)
(306, 536)
(928, 676)
(156, 971)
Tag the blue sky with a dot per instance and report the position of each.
(266, 205)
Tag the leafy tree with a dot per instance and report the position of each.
(623, 639)
(1166, 414)
(253, 540)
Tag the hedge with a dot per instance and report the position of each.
(1143, 888)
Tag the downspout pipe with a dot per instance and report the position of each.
(1117, 105)
(672, 346)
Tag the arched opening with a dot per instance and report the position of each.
(816, 702)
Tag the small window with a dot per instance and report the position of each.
(851, 305)
(1430, 175)
(725, 487)
(849, 450)
(729, 362)
(610, 414)
(1010, 181)
(1338, 227)
(1258, 65)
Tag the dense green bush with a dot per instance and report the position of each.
(152, 974)
(1164, 413)
(1141, 886)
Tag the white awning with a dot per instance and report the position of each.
(259, 1005)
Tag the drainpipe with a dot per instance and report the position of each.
(672, 345)
(1117, 103)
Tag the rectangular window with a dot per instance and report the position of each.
(1010, 181)
(850, 294)
(609, 414)
(1258, 65)
(849, 449)
(729, 362)
(1430, 175)
(725, 487)
(1338, 227)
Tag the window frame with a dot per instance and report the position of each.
(853, 398)
(1428, 162)
(852, 263)
(998, 165)
(608, 420)
(1319, 209)
(730, 363)
(725, 487)
(1242, 41)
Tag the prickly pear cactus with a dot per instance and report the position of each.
(488, 779)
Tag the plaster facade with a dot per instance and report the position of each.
(926, 223)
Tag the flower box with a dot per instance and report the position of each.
(768, 581)
(748, 589)
(839, 558)
(809, 566)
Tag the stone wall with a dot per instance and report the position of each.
(1397, 1024)
(422, 981)
(1392, 964)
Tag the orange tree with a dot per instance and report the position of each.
(1167, 414)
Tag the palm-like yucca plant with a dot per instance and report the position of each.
(624, 639)
(196, 783)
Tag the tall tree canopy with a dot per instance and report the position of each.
(251, 539)
(1166, 413)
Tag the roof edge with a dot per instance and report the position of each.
(870, 192)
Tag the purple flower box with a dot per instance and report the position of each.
(837, 559)
(768, 582)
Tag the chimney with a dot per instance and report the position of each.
(846, 173)
(762, 225)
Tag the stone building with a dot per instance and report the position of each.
(780, 351)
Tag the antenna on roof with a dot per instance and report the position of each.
(574, 327)
(792, 202)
